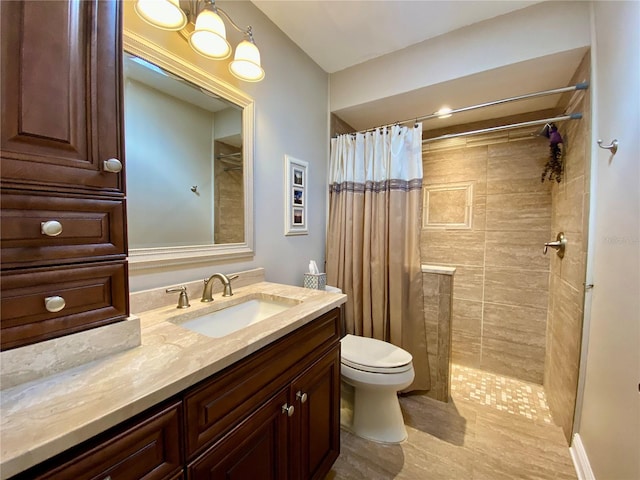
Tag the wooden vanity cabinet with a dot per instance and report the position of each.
(62, 206)
(148, 446)
(289, 399)
(272, 416)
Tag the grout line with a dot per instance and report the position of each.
(484, 259)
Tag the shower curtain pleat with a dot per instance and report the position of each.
(373, 238)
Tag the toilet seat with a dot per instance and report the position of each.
(375, 356)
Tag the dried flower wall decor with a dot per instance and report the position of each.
(554, 168)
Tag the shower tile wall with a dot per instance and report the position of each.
(501, 286)
(228, 198)
(570, 215)
(436, 289)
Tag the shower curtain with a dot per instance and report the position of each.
(373, 238)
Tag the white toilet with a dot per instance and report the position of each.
(377, 371)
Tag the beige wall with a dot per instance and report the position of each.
(501, 282)
(570, 214)
(339, 126)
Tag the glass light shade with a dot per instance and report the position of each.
(246, 62)
(210, 36)
(164, 14)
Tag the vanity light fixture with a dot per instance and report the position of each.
(208, 37)
(166, 14)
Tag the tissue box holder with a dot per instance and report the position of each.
(316, 281)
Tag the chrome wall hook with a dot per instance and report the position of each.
(612, 147)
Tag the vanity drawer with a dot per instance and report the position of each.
(91, 229)
(148, 448)
(219, 403)
(93, 295)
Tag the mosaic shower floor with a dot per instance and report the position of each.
(505, 394)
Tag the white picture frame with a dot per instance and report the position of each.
(296, 184)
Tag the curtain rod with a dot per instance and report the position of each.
(573, 116)
(577, 86)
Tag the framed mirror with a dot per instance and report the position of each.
(189, 154)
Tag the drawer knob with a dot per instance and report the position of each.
(112, 165)
(54, 304)
(51, 228)
(288, 409)
(301, 396)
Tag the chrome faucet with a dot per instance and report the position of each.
(208, 285)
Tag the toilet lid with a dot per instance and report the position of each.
(373, 355)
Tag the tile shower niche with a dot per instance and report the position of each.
(448, 206)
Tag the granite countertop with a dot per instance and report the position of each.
(44, 417)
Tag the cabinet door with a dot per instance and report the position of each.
(149, 449)
(255, 450)
(61, 95)
(316, 397)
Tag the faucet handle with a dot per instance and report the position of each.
(183, 299)
(228, 292)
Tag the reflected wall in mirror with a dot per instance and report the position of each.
(188, 141)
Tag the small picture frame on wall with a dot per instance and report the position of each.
(295, 200)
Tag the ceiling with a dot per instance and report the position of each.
(339, 34)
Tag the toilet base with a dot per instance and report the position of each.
(372, 414)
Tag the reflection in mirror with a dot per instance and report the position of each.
(189, 160)
(184, 161)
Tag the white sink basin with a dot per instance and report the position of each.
(227, 320)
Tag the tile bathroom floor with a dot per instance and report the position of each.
(493, 428)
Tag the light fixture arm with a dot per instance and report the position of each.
(248, 32)
(196, 6)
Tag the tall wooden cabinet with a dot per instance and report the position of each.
(63, 230)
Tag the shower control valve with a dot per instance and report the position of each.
(560, 244)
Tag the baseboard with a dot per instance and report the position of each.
(580, 459)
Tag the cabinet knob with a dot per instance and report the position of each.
(112, 165)
(288, 409)
(301, 396)
(54, 304)
(51, 228)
